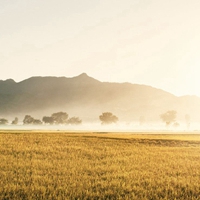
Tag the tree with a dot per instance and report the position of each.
(60, 117)
(108, 118)
(48, 120)
(15, 121)
(28, 119)
(3, 121)
(168, 117)
(74, 121)
(37, 122)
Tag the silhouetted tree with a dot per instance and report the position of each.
(60, 117)
(108, 118)
(37, 122)
(168, 117)
(3, 121)
(74, 121)
(15, 121)
(48, 120)
(28, 119)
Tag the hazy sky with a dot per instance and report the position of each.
(153, 42)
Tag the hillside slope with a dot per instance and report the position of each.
(87, 98)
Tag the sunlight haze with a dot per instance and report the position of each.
(154, 42)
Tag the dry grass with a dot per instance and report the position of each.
(41, 165)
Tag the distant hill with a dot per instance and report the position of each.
(87, 98)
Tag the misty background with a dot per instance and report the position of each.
(83, 99)
(152, 42)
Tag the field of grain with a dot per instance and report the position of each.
(60, 165)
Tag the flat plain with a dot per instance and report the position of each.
(88, 165)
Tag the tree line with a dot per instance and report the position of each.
(57, 118)
(60, 118)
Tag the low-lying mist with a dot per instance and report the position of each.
(98, 127)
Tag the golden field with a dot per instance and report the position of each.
(63, 165)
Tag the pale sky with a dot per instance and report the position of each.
(151, 42)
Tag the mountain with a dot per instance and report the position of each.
(87, 98)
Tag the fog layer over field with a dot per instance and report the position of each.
(118, 127)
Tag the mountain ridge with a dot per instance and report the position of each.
(87, 98)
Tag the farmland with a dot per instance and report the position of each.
(64, 165)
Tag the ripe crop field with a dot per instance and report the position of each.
(61, 165)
